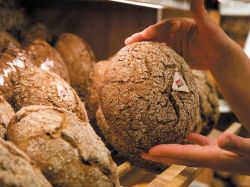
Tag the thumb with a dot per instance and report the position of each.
(233, 143)
(199, 12)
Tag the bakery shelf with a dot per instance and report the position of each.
(174, 176)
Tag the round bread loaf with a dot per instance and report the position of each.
(209, 103)
(47, 58)
(80, 61)
(16, 169)
(66, 148)
(6, 39)
(92, 99)
(6, 113)
(36, 30)
(36, 87)
(12, 62)
(148, 97)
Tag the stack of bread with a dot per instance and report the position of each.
(145, 95)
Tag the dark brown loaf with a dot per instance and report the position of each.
(148, 97)
(16, 169)
(66, 148)
(80, 61)
(47, 58)
(36, 87)
(12, 62)
(209, 103)
(92, 99)
(6, 39)
(6, 113)
(36, 30)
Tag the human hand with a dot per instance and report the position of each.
(200, 41)
(229, 153)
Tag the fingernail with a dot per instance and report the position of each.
(127, 40)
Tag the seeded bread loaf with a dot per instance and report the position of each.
(36, 87)
(16, 168)
(12, 62)
(6, 113)
(148, 97)
(209, 103)
(47, 58)
(34, 31)
(6, 39)
(80, 61)
(66, 148)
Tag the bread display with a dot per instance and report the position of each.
(80, 61)
(47, 58)
(16, 169)
(6, 39)
(66, 148)
(12, 62)
(6, 113)
(36, 87)
(148, 97)
(209, 103)
(36, 30)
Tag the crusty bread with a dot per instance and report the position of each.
(36, 87)
(6, 113)
(92, 100)
(80, 61)
(47, 58)
(66, 148)
(209, 103)
(37, 30)
(5, 39)
(16, 169)
(148, 97)
(12, 61)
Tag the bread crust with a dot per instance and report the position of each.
(66, 148)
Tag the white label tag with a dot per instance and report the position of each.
(179, 83)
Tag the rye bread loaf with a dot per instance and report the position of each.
(92, 100)
(6, 113)
(47, 58)
(66, 148)
(12, 62)
(209, 103)
(80, 61)
(36, 87)
(37, 30)
(16, 168)
(148, 97)
(6, 39)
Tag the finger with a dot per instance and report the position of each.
(199, 12)
(234, 143)
(200, 139)
(169, 161)
(134, 38)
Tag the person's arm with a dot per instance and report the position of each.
(204, 45)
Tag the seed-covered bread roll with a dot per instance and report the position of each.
(6, 39)
(12, 62)
(47, 58)
(66, 148)
(209, 104)
(6, 113)
(80, 61)
(148, 97)
(36, 87)
(92, 100)
(16, 169)
(36, 30)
